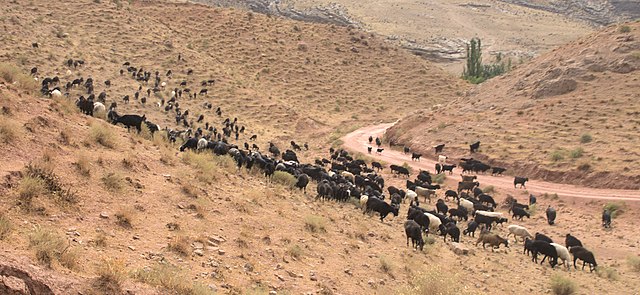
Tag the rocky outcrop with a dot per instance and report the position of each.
(598, 13)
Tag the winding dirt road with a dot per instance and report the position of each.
(358, 141)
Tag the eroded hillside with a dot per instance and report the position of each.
(569, 116)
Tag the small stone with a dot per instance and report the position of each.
(248, 267)
(181, 206)
(136, 237)
(280, 277)
(104, 215)
(198, 245)
(348, 271)
(132, 248)
(221, 252)
(198, 252)
(312, 276)
(217, 239)
(273, 293)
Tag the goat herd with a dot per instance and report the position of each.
(339, 178)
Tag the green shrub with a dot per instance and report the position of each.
(439, 178)
(562, 286)
(586, 138)
(624, 29)
(576, 153)
(557, 156)
(284, 178)
(616, 209)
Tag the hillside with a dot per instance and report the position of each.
(596, 12)
(569, 116)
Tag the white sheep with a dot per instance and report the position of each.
(56, 93)
(331, 173)
(363, 202)
(163, 85)
(466, 204)
(98, 108)
(442, 159)
(489, 214)
(426, 193)
(202, 143)
(518, 231)
(348, 175)
(563, 253)
(434, 222)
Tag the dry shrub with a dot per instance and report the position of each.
(489, 189)
(30, 188)
(52, 185)
(129, 161)
(295, 251)
(439, 178)
(111, 274)
(172, 278)
(608, 273)
(8, 130)
(616, 209)
(13, 75)
(5, 227)
(124, 218)
(50, 246)
(208, 170)
(100, 133)
(561, 285)
(385, 265)
(65, 106)
(634, 263)
(284, 178)
(314, 224)
(65, 136)
(180, 245)
(434, 281)
(190, 190)
(167, 157)
(83, 165)
(100, 240)
(112, 182)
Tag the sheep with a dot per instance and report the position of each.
(302, 182)
(469, 178)
(547, 250)
(348, 176)
(459, 212)
(585, 255)
(543, 237)
(520, 180)
(191, 143)
(413, 232)
(98, 107)
(490, 214)
(571, 241)
(471, 228)
(434, 222)
(448, 168)
(202, 144)
(411, 195)
(439, 148)
(415, 157)
(606, 219)
(467, 185)
(519, 213)
(363, 202)
(528, 246)
(450, 193)
(426, 193)
(452, 230)
(518, 231)
(406, 150)
(493, 240)
(380, 206)
(551, 215)
(131, 120)
(442, 159)
(484, 198)
(563, 253)
(474, 147)
(466, 204)
(441, 207)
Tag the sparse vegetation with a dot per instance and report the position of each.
(284, 178)
(208, 170)
(112, 181)
(65, 106)
(50, 247)
(385, 264)
(576, 153)
(439, 178)
(124, 218)
(50, 185)
(180, 245)
(434, 281)
(475, 72)
(8, 130)
(295, 251)
(83, 166)
(586, 138)
(616, 209)
(634, 263)
(608, 273)
(30, 188)
(557, 156)
(624, 29)
(171, 278)
(13, 75)
(489, 189)
(100, 240)
(314, 224)
(111, 274)
(5, 227)
(101, 134)
(561, 285)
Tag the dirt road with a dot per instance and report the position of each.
(359, 140)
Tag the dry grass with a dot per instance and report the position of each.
(608, 273)
(439, 178)
(190, 190)
(65, 106)
(100, 240)
(295, 251)
(434, 281)
(112, 181)
(101, 134)
(314, 224)
(208, 170)
(83, 165)
(124, 218)
(5, 227)
(30, 188)
(111, 274)
(50, 247)
(385, 264)
(616, 209)
(634, 263)
(180, 245)
(167, 156)
(561, 285)
(171, 278)
(14, 75)
(8, 130)
(284, 178)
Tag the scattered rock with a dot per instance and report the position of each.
(198, 252)
(198, 245)
(460, 249)
(217, 239)
(221, 252)
(104, 215)
(248, 267)
(280, 277)
(348, 271)
(273, 293)
(312, 276)
(132, 248)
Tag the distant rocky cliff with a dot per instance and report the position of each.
(596, 12)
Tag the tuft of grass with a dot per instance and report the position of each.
(171, 278)
(616, 209)
(489, 189)
(13, 75)
(111, 274)
(407, 166)
(624, 29)
(576, 153)
(634, 263)
(8, 131)
(5, 227)
(284, 178)
(586, 138)
(608, 273)
(180, 245)
(166, 156)
(295, 251)
(112, 181)
(557, 156)
(124, 218)
(100, 240)
(190, 190)
(434, 280)
(439, 178)
(50, 247)
(51, 184)
(101, 134)
(128, 162)
(385, 265)
(561, 285)
(208, 170)
(65, 106)
(314, 224)
(30, 188)
(83, 166)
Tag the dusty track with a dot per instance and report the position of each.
(358, 141)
